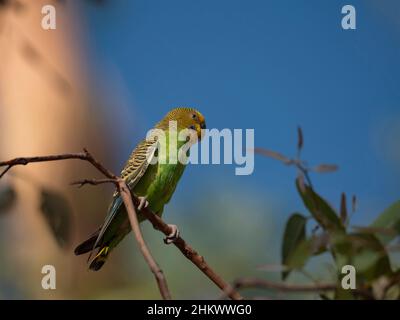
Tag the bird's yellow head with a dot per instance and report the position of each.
(186, 118)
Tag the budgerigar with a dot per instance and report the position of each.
(153, 182)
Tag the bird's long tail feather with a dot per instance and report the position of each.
(99, 259)
(87, 245)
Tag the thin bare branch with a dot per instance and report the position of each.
(282, 286)
(127, 198)
(5, 171)
(80, 156)
(156, 221)
(130, 208)
(93, 182)
(190, 253)
(286, 287)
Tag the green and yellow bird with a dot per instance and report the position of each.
(153, 182)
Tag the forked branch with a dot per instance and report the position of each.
(131, 202)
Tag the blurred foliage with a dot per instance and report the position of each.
(295, 234)
(365, 248)
(57, 214)
(54, 207)
(7, 198)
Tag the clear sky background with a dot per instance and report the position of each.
(267, 65)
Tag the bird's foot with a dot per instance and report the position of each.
(173, 236)
(143, 203)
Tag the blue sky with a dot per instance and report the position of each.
(267, 65)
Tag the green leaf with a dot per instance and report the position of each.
(304, 250)
(366, 254)
(343, 294)
(393, 293)
(57, 214)
(300, 139)
(7, 198)
(322, 212)
(300, 255)
(363, 251)
(295, 233)
(389, 219)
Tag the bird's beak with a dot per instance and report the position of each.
(200, 131)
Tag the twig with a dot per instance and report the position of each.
(286, 287)
(80, 156)
(190, 253)
(156, 221)
(93, 182)
(155, 269)
(181, 244)
(306, 174)
(266, 284)
(130, 209)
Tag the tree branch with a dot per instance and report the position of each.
(286, 287)
(130, 209)
(191, 254)
(80, 156)
(124, 191)
(130, 203)
(93, 182)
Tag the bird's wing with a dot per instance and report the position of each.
(134, 169)
(138, 162)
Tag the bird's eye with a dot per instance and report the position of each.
(192, 127)
(194, 116)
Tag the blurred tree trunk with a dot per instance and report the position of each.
(43, 111)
